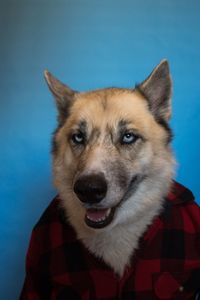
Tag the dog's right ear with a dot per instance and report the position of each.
(62, 93)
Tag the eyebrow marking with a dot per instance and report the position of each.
(82, 126)
(123, 124)
(91, 137)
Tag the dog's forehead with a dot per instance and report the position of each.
(109, 106)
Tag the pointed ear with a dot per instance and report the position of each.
(157, 89)
(63, 95)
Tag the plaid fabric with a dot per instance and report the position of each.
(166, 265)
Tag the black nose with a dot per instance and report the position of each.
(91, 188)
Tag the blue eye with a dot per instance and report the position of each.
(78, 138)
(129, 138)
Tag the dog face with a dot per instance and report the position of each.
(109, 147)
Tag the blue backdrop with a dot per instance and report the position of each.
(88, 44)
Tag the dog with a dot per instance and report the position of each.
(112, 162)
(113, 165)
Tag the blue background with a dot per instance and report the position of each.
(88, 44)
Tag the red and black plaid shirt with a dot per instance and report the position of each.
(166, 265)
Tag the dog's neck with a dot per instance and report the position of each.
(117, 246)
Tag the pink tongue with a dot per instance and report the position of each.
(95, 215)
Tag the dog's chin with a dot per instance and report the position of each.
(99, 218)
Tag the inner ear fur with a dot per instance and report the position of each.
(157, 90)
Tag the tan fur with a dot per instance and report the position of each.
(154, 158)
(150, 157)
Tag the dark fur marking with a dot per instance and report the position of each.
(64, 113)
(80, 129)
(132, 187)
(158, 118)
(122, 177)
(135, 181)
(123, 124)
(82, 126)
(122, 127)
(64, 105)
(168, 129)
(54, 143)
(117, 170)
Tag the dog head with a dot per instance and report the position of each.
(111, 150)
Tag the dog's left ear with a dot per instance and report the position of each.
(157, 89)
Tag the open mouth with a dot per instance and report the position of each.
(99, 218)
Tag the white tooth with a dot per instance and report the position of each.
(108, 212)
(101, 219)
